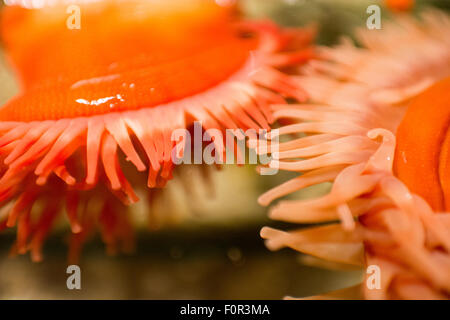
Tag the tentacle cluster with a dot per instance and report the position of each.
(68, 160)
(345, 135)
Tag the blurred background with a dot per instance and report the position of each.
(206, 244)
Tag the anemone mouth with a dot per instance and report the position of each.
(346, 135)
(119, 61)
(79, 156)
(145, 56)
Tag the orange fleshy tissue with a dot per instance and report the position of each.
(400, 5)
(423, 143)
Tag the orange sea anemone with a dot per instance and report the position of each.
(112, 88)
(376, 126)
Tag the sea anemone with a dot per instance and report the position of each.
(110, 89)
(376, 127)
